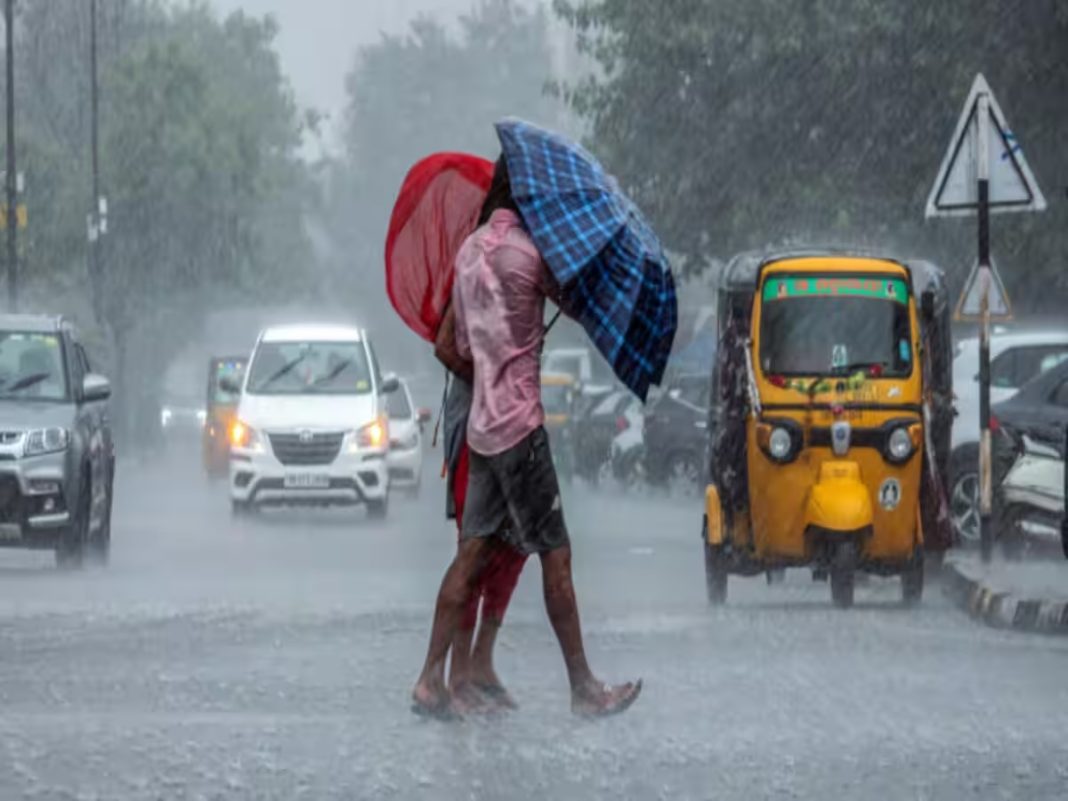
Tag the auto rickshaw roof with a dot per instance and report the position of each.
(743, 271)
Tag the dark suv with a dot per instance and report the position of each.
(675, 434)
(57, 460)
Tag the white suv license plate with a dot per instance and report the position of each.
(307, 481)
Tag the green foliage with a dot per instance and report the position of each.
(420, 93)
(744, 123)
(199, 139)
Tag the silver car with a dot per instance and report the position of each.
(57, 461)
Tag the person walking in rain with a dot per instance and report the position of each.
(513, 496)
(473, 681)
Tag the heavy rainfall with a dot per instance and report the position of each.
(322, 316)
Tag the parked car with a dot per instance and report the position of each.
(558, 400)
(312, 427)
(593, 435)
(1029, 462)
(1015, 358)
(406, 423)
(57, 460)
(674, 434)
(628, 446)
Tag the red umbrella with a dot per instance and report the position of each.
(437, 207)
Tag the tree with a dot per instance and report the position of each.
(207, 194)
(423, 92)
(743, 123)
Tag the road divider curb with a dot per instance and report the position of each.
(998, 608)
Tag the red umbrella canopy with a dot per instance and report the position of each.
(436, 209)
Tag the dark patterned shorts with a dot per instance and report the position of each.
(517, 486)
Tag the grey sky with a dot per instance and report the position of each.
(318, 38)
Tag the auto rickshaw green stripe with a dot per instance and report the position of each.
(893, 289)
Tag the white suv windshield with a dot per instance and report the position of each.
(31, 366)
(310, 368)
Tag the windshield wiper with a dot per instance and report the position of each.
(849, 369)
(28, 381)
(281, 372)
(339, 368)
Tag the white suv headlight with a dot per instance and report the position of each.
(46, 440)
(245, 437)
(372, 435)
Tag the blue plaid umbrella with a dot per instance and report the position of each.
(598, 246)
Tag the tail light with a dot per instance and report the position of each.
(622, 424)
(995, 424)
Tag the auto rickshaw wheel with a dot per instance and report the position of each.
(715, 573)
(912, 579)
(843, 573)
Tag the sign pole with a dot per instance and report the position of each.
(986, 533)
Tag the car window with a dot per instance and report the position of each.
(1060, 395)
(1003, 371)
(398, 405)
(1051, 358)
(309, 368)
(1031, 362)
(31, 366)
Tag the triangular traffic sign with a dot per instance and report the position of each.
(1012, 184)
(969, 307)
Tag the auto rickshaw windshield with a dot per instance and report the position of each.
(834, 325)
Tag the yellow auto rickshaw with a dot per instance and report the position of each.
(558, 401)
(830, 421)
(220, 412)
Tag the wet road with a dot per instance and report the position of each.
(272, 659)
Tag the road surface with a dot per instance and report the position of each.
(272, 659)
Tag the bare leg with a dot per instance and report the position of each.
(460, 671)
(499, 582)
(456, 587)
(589, 696)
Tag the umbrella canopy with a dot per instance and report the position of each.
(598, 246)
(437, 207)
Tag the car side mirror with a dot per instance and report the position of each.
(423, 415)
(390, 383)
(229, 385)
(95, 388)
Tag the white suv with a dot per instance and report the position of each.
(1015, 358)
(311, 426)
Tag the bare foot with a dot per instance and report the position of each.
(467, 699)
(602, 700)
(498, 695)
(433, 702)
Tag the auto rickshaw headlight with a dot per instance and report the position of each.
(780, 445)
(899, 445)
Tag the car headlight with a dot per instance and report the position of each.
(202, 417)
(244, 436)
(899, 445)
(165, 416)
(46, 440)
(373, 435)
(780, 443)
